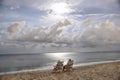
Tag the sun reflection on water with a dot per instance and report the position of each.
(61, 55)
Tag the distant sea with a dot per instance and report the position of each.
(17, 62)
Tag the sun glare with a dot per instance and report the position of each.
(60, 8)
(58, 55)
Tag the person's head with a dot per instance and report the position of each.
(58, 61)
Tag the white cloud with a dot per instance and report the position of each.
(52, 18)
(15, 27)
(103, 33)
(87, 22)
(82, 33)
(48, 34)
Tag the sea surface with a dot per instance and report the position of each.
(17, 62)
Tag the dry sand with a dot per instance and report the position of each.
(104, 71)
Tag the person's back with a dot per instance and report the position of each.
(70, 62)
(68, 66)
(59, 63)
(59, 66)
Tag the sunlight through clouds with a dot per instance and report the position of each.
(60, 8)
(56, 23)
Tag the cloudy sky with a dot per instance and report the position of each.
(26, 24)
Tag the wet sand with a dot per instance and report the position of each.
(102, 71)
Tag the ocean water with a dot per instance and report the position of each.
(16, 62)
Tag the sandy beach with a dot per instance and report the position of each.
(101, 71)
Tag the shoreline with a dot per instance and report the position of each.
(49, 68)
(104, 70)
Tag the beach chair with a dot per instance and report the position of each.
(68, 67)
(58, 67)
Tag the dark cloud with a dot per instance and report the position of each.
(119, 2)
(1, 1)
